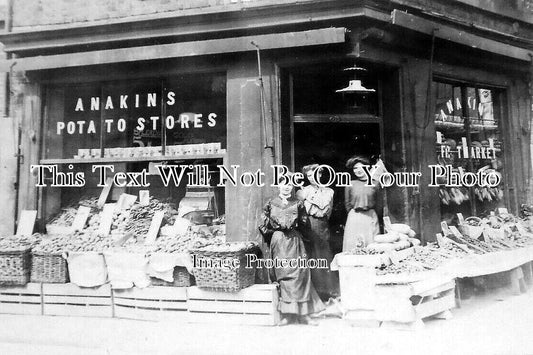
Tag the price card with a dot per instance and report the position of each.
(503, 211)
(154, 228)
(445, 228)
(440, 240)
(105, 192)
(26, 222)
(144, 197)
(81, 218)
(106, 218)
(125, 201)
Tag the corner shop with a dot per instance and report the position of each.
(302, 63)
(206, 46)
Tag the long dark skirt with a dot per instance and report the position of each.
(298, 296)
(317, 237)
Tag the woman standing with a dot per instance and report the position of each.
(360, 201)
(318, 203)
(282, 216)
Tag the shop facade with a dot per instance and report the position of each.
(193, 75)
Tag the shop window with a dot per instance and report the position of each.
(469, 140)
(131, 124)
(188, 109)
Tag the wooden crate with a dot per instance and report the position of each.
(151, 303)
(21, 299)
(72, 300)
(527, 270)
(406, 305)
(254, 305)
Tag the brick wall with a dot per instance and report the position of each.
(35, 13)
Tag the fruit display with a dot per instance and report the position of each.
(77, 242)
(453, 195)
(233, 247)
(67, 214)
(429, 257)
(526, 210)
(17, 242)
(399, 236)
(488, 193)
(136, 221)
(361, 251)
(128, 229)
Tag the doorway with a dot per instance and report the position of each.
(333, 144)
(321, 126)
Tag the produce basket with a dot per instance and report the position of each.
(472, 227)
(182, 278)
(226, 278)
(15, 266)
(49, 268)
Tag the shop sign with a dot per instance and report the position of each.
(144, 121)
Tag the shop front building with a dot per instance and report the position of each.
(252, 84)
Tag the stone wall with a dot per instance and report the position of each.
(35, 13)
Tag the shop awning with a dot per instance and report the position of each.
(451, 34)
(176, 50)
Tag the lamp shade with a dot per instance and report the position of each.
(355, 86)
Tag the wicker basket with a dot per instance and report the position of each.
(471, 231)
(225, 278)
(49, 268)
(15, 267)
(182, 278)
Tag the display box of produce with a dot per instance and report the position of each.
(357, 275)
(224, 266)
(406, 305)
(254, 305)
(72, 300)
(151, 303)
(21, 299)
(472, 227)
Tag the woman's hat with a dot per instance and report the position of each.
(308, 168)
(357, 159)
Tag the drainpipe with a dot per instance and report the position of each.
(8, 26)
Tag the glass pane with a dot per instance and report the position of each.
(129, 106)
(450, 131)
(196, 109)
(469, 140)
(73, 122)
(486, 148)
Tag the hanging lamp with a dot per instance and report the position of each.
(355, 86)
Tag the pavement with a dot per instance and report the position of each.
(494, 323)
